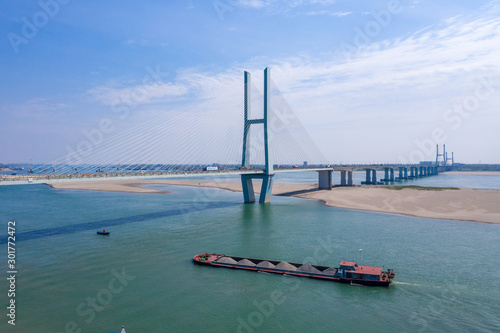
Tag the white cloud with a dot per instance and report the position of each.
(295, 3)
(37, 108)
(371, 108)
(282, 5)
(395, 90)
(138, 42)
(252, 3)
(137, 94)
(327, 12)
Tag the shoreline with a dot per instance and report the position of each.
(472, 173)
(474, 205)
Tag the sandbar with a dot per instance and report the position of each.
(478, 205)
(473, 173)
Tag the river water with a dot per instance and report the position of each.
(142, 276)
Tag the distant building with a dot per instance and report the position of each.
(305, 163)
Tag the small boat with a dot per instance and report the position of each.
(347, 272)
(103, 232)
(122, 331)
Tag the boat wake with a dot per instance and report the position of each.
(407, 283)
(356, 284)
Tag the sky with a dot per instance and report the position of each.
(162, 81)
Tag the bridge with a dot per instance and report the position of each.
(59, 172)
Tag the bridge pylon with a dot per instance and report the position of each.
(267, 177)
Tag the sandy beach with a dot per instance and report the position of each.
(473, 173)
(464, 204)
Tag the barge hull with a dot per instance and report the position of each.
(212, 261)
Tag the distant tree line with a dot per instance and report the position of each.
(476, 167)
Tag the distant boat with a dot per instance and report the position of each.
(122, 331)
(103, 232)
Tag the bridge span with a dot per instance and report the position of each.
(246, 171)
(325, 174)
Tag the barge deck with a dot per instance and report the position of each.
(347, 272)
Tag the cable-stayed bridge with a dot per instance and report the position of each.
(189, 138)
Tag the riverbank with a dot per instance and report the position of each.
(476, 205)
(473, 173)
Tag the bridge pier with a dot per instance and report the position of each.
(371, 177)
(349, 178)
(386, 175)
(343, 181)
(265, 190)
(325, 179)
(247, 187)
(403, 173)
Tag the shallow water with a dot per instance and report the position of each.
(443, 180)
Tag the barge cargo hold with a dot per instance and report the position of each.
(347, 272)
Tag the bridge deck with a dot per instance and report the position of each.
(55, 178)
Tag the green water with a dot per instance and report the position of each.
(446, 271)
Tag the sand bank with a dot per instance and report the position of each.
(463, 204)
(473, 173)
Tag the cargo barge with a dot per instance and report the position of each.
(347, 272)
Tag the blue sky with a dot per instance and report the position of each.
(371, 81)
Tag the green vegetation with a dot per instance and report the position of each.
(476, 167)
(421, 188)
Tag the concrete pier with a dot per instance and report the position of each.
(265, 190)
(325, 179)
(403, 173)
(388, 175)
(247, 187)
(371, 177)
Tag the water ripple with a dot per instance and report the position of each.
(69, 229)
